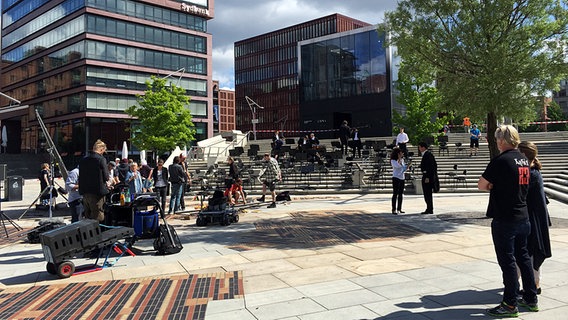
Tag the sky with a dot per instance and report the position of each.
(237, 20)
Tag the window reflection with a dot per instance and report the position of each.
(346, 66)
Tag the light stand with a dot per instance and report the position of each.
(4, 218)
(50, 187)
(253, 105)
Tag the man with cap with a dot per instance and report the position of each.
(474, 140)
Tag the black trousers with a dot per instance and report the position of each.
(427, 189)
(397, 191)
(344, 145)
(162, 194)
(357, 147)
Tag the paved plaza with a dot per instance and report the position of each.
(332, 256)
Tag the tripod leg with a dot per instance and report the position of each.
(34, 202)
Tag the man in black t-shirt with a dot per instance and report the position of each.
(507, 178)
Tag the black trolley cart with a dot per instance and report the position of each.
(143, 214)
(217, 211)
(63, 244)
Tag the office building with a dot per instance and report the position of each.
(81, 63)
(346, 76)
(223, 108)
(266, 71)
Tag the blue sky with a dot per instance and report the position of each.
(241, 19)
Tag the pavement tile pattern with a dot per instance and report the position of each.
(324, 228)
(186, 297)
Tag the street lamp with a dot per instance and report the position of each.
(253, 105)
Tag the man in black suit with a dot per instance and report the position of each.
(344, 134)
(429, 169)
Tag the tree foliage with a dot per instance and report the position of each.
(422, 102)
(490, 59)
(165, 121)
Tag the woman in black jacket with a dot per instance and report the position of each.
(160, 177)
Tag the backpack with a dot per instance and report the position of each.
(167, 241)
(283, 196)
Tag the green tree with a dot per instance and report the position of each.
(554, 113)
(422, 102)
(165, 121)
(490, 59)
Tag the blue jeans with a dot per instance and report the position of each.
(510, 241)
(176, 193)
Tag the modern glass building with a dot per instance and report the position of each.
(346, 76)
(266, 70)
(80, 63)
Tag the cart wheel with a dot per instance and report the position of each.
(199, 222)
(51, 268)
(227, 220)
(65, 269)
(235, 218)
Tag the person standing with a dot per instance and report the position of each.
(401, 141)
(269, 177)
(44, 182)
(539, 239)
(93, 186)
(429, 169)
(398, 169)
(146, 171)
(177, 179)
(74, 199)
(134, 180)
(277, 143)
(344, 134)
(160, 177)
(507, 180)
(474, 135)
(187, 181)
(356, 143)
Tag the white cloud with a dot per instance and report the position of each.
(239, 20)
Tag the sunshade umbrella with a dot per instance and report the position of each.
(124, 150)
(4, 137)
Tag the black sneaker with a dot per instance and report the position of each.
(532, 307)
(272, 205)
(261, 199)
(394, 212)
(503, 311)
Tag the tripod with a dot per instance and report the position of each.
(50, 189)
(4, 218)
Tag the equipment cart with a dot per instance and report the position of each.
(217, 210)
(83, 237)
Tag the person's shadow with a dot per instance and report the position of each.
(463, 304)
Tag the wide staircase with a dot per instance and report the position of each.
(371, 173)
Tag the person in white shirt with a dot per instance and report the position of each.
(401, 141)
(398, 169)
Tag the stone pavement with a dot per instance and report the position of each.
(326, 257)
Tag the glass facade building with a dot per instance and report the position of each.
(81, 63)
(346, 76)
(266, 70)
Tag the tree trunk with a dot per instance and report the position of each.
(491, 127)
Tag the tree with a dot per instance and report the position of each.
(165, 122)
(422, 102)
(490, 59)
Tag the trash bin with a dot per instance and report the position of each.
(417, 184)
(13, 188)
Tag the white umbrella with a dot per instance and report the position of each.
(4, 137)
(124, 150)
